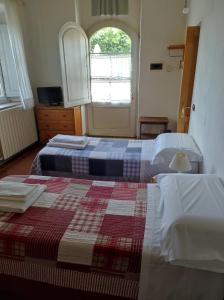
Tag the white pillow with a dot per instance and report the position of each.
(168, 144)
(192, 210)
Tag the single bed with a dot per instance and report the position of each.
(116, 159)
(81, 235)
(95, 240)
(161, 280)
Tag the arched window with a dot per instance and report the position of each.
(111, 66)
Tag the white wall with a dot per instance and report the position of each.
(42, 22)
(207, 122)
(162, 23)
(199, 10)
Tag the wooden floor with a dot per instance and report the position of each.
(21, 164)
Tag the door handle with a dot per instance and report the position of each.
(185, 111)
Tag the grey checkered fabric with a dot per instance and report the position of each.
(106, 159)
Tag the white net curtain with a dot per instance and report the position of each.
(111, 78)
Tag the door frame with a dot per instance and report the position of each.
(132, 107)
(189, 70)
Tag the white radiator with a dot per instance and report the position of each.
(17, 130)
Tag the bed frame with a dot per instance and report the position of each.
(12, 288)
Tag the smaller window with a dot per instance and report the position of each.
(109, 7)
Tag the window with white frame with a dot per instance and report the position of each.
(14, 82)
(9, 88)
(110, 62)
(2, 88)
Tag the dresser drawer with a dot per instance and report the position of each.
(45, 114)
(66, 115)
(54, 114)
(66, 125)
(52, 125)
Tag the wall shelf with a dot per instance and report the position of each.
(176, 50)
(176, 47)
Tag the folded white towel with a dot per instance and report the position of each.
(15, 190)
(67, 145)
(21, 207)
(69, 139)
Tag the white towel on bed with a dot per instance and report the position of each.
(19, 197)
(69, 139)
(67, 145)
(15, 191)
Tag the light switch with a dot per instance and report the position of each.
(156, 66)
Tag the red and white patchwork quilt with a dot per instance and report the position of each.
(92, 229)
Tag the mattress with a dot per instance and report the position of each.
(80, 234)
(103, 159)
(161, 280)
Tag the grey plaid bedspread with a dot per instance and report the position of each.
(103, 159)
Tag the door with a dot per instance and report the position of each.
(113, 73)
(190, 61)
(74, 56)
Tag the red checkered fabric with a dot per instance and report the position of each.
(79, 222)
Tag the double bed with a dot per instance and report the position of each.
(117, 159)
(98, 239)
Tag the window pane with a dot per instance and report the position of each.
(110, 66)
(121, 91)
(2, 90)
(121, 66)
(107, 91)
(100, 66)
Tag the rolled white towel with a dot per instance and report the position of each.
(69, 139)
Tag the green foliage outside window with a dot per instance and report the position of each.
(110, 40)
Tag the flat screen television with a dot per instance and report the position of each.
(50, 95)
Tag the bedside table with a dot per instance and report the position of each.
(153, 121)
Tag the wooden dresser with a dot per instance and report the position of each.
(52, 120)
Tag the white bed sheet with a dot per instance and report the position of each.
(193, 220)
(162, 281)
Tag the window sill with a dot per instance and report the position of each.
(5, 106)
(111, 105)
